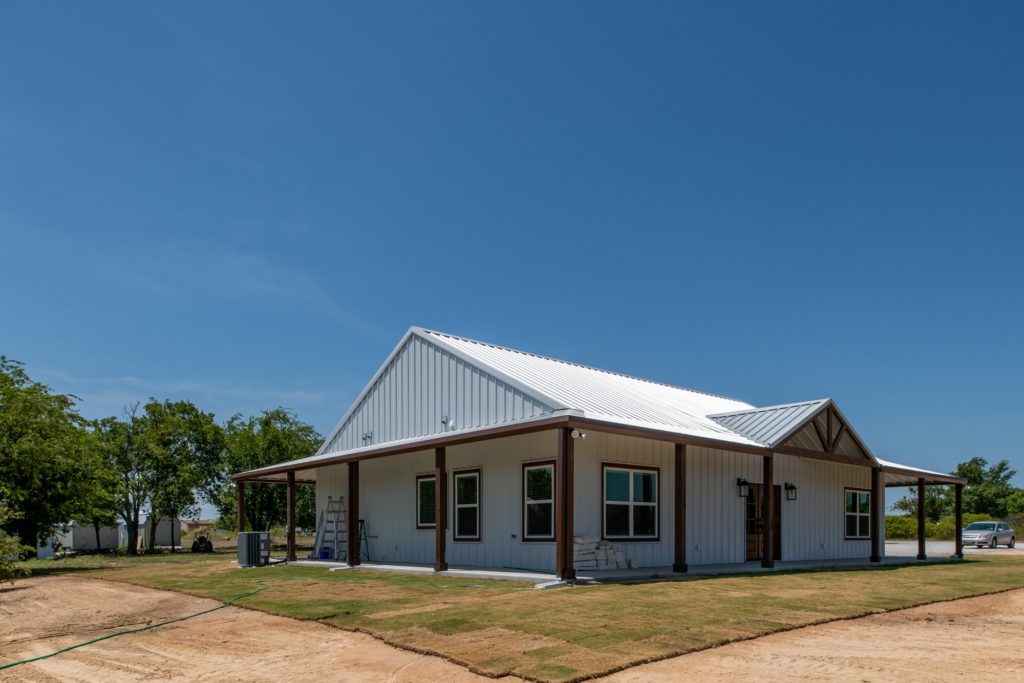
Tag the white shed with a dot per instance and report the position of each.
(473, 454)
(78, 536)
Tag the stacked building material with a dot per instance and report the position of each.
(594, 554)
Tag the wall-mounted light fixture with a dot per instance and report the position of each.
(790, 491)
(367, 436)
(577, 434)
(744, 487)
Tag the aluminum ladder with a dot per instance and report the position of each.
(332, 531)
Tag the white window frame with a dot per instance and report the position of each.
(527, 502)
(605, 468)
(420, 524)
(475, 473)
(857, 493)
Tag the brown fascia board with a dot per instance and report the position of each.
(553, 421)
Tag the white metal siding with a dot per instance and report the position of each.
(813, 525)
(501, 480)
(600, 448)
(422, 385)
(330, 481)
(387, 505)
(715, 514)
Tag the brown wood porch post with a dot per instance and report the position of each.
(563, 506)
(352, 515)
(240, 506)
(440, 510)
(959, 520)
(679, 562)
(920, 520)
(290, 514)
(768, 513)
(877, 493)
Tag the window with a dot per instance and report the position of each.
(630, 503)
(467, 505)
(539, 501)
(426, 497)
(858, 514)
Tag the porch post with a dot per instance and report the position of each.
(877, 492)
(352, 515)
(290, 514)
(959, 551)
(563, 506)
(440, 510)
(679, 561)
(240, 506)
(768, 513)
(920, 520)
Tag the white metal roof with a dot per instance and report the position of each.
(773, 424)
(897, 474)
(599, 394)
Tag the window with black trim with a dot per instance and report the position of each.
(426, 499)
(858, 514)
(467, 505)
(630, 502)
(539, 501)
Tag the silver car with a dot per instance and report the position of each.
(990, 534)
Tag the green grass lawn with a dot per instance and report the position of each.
(500, 627)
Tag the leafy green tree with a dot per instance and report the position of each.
(126, 454)
(1015, 502)
(184, 445)
(939, 502)
(10, 549)
(267, 439)
(45, 457)
(988, 488)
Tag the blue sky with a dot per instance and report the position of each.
(246, 205)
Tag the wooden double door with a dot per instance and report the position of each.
(755, 522)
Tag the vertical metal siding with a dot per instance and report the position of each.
(501, 475)
(422, 384)
(600, 448)
(813, 525)
(387, 505)
(715, 514)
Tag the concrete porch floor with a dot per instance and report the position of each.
(632, 574)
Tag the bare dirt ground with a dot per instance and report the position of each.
(41, 615)
(976, 639)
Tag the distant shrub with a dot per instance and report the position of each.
(900, 526)
(945, 528)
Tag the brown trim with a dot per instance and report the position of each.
(815, 455)
(568, 491)
(440, 511)
(959, 511)
(679, 554)
(560, 550)
(290, 517)
(554, 497)
(240, 506)
(858, 513)
(657, 504)
(877, 496)
(768, 512)
(352, 516)
(660, 435)
(479, 506)
(921, 554)
(839, 435)
(537, 425)
(419, 478)
(818, 433)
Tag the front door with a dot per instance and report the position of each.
(755, 522)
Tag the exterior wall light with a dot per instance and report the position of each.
(577, 434)
(790, 491)
(744, 488)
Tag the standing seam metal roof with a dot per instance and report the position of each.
(773, 424)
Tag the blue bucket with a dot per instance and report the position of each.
(325, 554)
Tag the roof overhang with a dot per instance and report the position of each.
(895, 474)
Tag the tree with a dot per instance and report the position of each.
(185, 445)
(10, 548)
(1015, 502)
(45, 457)
(126, 455)
(267, 439)
(938, 503)
(988, 488)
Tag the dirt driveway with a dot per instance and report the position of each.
(925, 643)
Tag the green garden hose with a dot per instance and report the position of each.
(226, 603)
